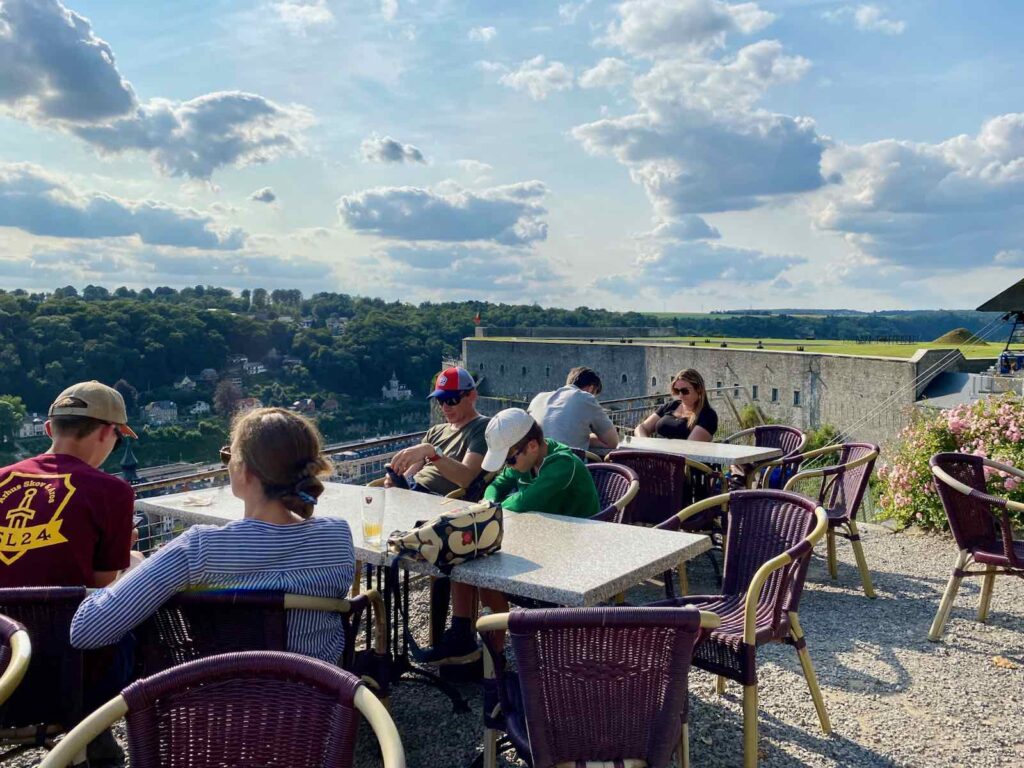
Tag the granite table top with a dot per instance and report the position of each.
(558, 559)
(709, 453)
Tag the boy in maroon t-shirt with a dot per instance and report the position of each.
(63, 522)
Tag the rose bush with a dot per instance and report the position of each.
(990, 427)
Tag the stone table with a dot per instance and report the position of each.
(723, 454)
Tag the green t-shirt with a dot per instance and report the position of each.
(562, 486)
(455, 444)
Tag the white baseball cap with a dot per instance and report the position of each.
(504, 430)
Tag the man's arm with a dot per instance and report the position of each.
(536, 497)
(607, 439)
(603, 432)
(501, 486)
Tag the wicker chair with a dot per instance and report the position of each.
(48, 701)
(840, 491)
(15, 654)
(587, 457)
(789, 440)
(617, 486)
(981, 527)
(193, 625)
(593, 684)
(257, 708)
(769, 540)
(667, 484)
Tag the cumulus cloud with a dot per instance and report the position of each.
(956, 203)
(389, 9)
(672, 28)
(539, 78)
(607, 73)
(42, 204)
(303, 17)
(474, 167)
(482, 34)
(569, 12)
(196, 137)
(866, 18)
(52, 66)
(386, 150)
(264, 195)
(509, 215)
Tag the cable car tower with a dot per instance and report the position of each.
(1011, 303)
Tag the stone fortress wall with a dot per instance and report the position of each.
(870, 397)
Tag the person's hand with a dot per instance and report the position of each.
(404, 461)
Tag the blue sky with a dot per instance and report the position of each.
(646, 154)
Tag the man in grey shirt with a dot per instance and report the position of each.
(572, 416)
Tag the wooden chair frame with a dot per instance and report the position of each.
(750, 725)
(92, 726)
(829, 476)
(498, 622)
(760, 471)
(21, 655)
(965, 558)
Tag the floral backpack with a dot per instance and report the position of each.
(453, 537)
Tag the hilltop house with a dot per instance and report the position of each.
(252, 369)
(200, 408)
(160, 412)
(249, 404)
(185, 385)
(394, 390)
(304, 405)
(32, 426)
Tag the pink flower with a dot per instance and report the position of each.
(1011, 483)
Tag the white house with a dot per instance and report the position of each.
(32, 426)
(186, 384)
(200, 408)
(394, 390)
(251, 369)
(161, 412)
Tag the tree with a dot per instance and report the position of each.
(226, 397)
(12, 413)
(129, 393)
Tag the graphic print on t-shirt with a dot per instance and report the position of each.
(30, 507)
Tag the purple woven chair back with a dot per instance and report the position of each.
(258, 709)
(7, 629)
(843, 493)
(612, 482)
(761, 525)
(789, 440)
(971, 520)
(193, 625)
(662, 485)
(51, 691)
(603, 683)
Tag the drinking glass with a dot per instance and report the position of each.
(373, 515)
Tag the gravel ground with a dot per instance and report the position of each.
(894, 698)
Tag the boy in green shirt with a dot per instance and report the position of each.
(539, 476)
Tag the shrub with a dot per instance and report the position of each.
(991, 427)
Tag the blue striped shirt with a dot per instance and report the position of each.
(314, 557)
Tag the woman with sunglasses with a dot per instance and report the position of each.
(274, 464)
(688, 416)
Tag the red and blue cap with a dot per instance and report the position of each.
(451, 381)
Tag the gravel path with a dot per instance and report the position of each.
(894, 698)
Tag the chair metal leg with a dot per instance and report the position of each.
(986, 594)
(948, 597)
(720, 685)
(684, 582)
(684, 746)
(750, 726)
(797, 634)
(830, 547)
(357, 581)
(490, 748)
(862, 564)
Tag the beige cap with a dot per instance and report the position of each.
(95, 400)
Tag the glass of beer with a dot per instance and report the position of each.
(373, 515)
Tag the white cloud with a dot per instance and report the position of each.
(52, 66)
(389, 9)
(43, 204)
(482, 34)
(866, 18)
(302, 17)
(954, 204)
(508, 215)
(474, 168)
(669, 28)
(569, 12)
(538, 78)
(607, 73)
(264, 195)
(386, 150)
(196, 137)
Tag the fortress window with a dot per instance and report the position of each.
(796, 397)
(501, 368)
(625, 379)
(775, 395)
(753, 391)
(524, 370)
(654, 381)
(547, 371)
(736, 390)
(481, 366)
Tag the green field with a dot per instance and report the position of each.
(823, 346)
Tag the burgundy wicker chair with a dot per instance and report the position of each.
(667, 484)
(587, 457)
(840, 491)
(617, 485)
(981, 527)
(789, 440)
(769, 538)
(15, 654)
(251, 709)
(593, 684)
(48, 701)
(192, 625)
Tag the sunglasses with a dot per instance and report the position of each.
(451, 399)
(225, 455)
(511, 460)
(680, 390)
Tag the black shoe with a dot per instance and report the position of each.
(105, 752)
(454, 648)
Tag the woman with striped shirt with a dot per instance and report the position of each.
(274, 464)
